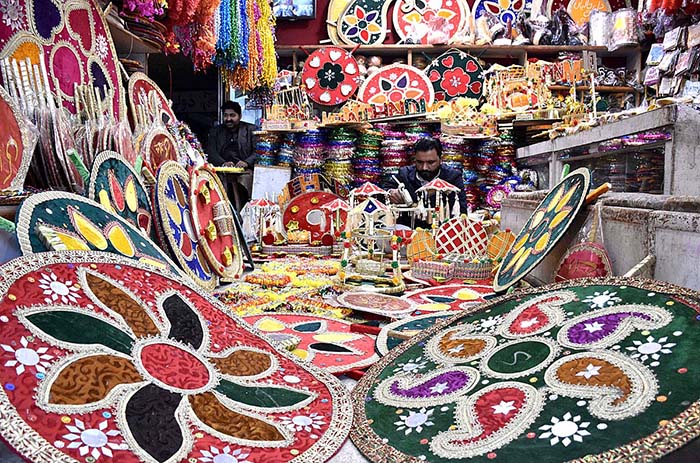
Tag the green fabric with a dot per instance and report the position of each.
(519, 357)
(79, 166)
(7, 225)
(679, 388)
(262, 397)
(79, 328)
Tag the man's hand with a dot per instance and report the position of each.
(228, 164)
(395, 196)
(242, 164)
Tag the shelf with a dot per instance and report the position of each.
(126, 42)
(598, 88)
(505, 51)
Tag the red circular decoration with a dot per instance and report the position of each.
(306, 210)
(14, 162)
(65, 68)
(330, 75)
(140, 87)
(396, 83)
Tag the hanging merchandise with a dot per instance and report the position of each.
(266, 147)
(433, 22)
(454, 74)
(330, 75)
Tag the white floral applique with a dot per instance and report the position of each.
(11, 12)
(411, 366)
(225, 455)
(96, 442)
(101, 47)
(601, 300)
(56, 290)
(565, 430)
(651, 348)
(303, 422)
(415, 421)
(26, 357)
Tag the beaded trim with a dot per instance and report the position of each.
(602, 398)
(468, 426)
(554, 350)
(551, 309)
(384, 395)
(76, 36)
(458, 333)
(658, 318)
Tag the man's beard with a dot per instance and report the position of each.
(427, 174)
(230, 125)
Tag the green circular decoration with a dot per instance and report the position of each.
(544, 228)
(610, 371)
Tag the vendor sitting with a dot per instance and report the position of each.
(427, 166)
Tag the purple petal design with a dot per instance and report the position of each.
(46, 17)
(372, 16)
(403, 81)
(446, 383)
(352, 31)
(595, 329)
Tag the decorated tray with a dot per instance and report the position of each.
(18, 143)
(76, 47)
(455, 74)
(461, 236)
(408, 327)
(584, 260)
(364, 22)
(106, 359)
(376, 303)
(544, 228)
(506, 12)
(395, 84)
(157, 147)
(58, 221)
(448, 297)
(417, 19)
(330, 75)
(326, 342)
(307, 214)
(144, 92)
(172, 206)
(120, 190)
(213, 223)
(594, 370)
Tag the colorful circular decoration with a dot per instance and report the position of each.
(214, 224)
(17, 144)
(544, 228)
(396, 83)
(449, 297)
(545, 374)
(406, 328)
(326, 342)
(456, 74)
(376, 303)
(584, 260)
(421, 246)
(163, 372)
(416, 18)
(331, 76)
(461, 236)
(120, 190)
(305, 211)
(143, 92)
(172, 206)
(364, 22)
(335, 9)
(157, 147)
(499, 244)
(580, 11)
(58, 221)
(74, 41)
(507, 11)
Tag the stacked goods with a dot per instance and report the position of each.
(309, 153)
(340, 147)
(433, 269)
(469, 173)
(266, 147)
(285, 156)
(394, 154)
(453, 148)
(365, 162)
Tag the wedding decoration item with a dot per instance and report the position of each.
(462, 236)
(306, 212)
(330, 75)
(18, 142)
(394, 84)
(452, 296)
(544, 228)
(147, 101)
(187, 380)
(589, 370)
(375, 303)
(456, 74)
(157, 147)
(432, 22)
(364, 22)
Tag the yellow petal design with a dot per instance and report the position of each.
(373, 28)
(120, 240)
(105, 202)
(60, 241)
(132, 200)
(433, 307)
(413, 17)
(514, 259)
(269, 325)
(522, 260)
(447, 14)
(565, 200)
(559, 218)
(352, 20)
(335, 337)
(521, 242)
(555, 200)
(87, 229)
(301, 353)
(466, 295)
(537, 218)
(542, 242)
(174, 211)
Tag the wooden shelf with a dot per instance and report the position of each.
(127, 43)
(598, 88)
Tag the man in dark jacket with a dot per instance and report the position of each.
(428, 166)
(232, 144)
